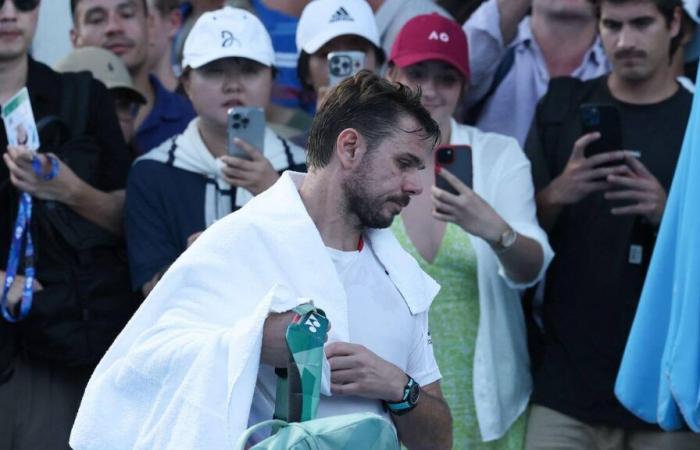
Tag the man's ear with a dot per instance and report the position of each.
(676, 22)
(74, 37)
(350, 147)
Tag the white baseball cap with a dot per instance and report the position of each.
(226, 33)
(323, 20)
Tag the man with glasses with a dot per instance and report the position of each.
(51, 336)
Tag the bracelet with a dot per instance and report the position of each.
(37, 166)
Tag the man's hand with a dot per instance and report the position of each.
(583, 176)
(19, 162)
(255, 175)
(17, 288)
(355, 370)
(638, 185)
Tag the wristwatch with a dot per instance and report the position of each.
(506, 241)
(411, 393)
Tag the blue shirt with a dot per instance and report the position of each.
(282, 29)
(164, 206)
(170, 115)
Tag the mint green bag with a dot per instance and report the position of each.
(298, 395)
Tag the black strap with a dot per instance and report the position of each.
(75, 100)
(502, 70)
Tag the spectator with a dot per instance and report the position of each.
(189, 181)
(166, 20)
(513, 57)
(334, 25)
(602, 222)
(81, 296)
(391, 15)
(309, 236)
(121, 26)
(480, 245)
(111, 71)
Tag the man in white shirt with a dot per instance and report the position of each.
(203, 348)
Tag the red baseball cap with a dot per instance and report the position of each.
(431, 36)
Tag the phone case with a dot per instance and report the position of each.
(605, 119)
(247, 124)
(342, 65)
(458, 160)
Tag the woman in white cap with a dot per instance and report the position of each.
(187, 183)
(330, 26)
(481, 245)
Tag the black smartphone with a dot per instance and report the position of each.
(247, 124)
(605, 119)
(458, 160)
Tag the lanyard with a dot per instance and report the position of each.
(21, 229)
(24, 218)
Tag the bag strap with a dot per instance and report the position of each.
(501, 71)
(299, 389)
(75, 99)
(243, 439)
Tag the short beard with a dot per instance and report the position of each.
(360, 204)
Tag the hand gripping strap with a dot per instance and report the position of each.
(299, 390)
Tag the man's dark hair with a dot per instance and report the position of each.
(74, 4)
(665, 7)
(371, 105)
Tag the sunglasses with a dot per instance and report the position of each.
(23, 5)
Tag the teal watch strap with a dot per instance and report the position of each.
(411, 392)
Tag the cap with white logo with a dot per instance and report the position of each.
(431, 37)
(104, 65)
(227, 33)
(324, 20)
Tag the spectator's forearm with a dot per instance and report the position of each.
(511, 12)
(105, 209)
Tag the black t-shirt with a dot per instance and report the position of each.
(86, 295)
(592, 287)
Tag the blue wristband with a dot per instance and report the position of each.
(37, 166)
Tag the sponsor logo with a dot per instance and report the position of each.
(441, 36)
(341, 15)
(312, 323)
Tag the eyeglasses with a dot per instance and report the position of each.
(23, 5)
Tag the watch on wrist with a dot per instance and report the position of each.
(411, 393)
(506, 241)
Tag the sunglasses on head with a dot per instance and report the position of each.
(22, 5)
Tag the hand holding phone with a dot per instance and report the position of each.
(342, 65)
(604, 119)
(458, 160)
(247, 124)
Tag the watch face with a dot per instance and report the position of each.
(414, 394)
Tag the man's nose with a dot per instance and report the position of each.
(413, 183)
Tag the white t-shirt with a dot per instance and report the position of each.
(378, 319)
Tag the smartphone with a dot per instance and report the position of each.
(458, 160)
(248, 124)
(342, 65)
(605, 119)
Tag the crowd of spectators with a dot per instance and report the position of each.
(135, 163)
